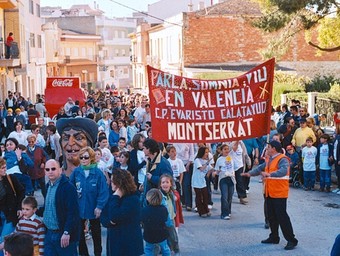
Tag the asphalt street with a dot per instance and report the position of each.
(315, 222)
(315, 217)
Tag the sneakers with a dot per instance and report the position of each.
(321, 189)
(243, 201)
(328, 190)
(270, 240)
(336, 190)
(215, 191)
(188, 208)
(226, 217)
(210, 206)
(195, 209)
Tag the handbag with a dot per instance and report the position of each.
(11, 183)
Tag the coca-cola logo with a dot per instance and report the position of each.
(62, 83)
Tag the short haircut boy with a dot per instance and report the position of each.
(31, 201)
(154, 197)
(309, 139)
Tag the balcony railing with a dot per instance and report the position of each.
(13, 59)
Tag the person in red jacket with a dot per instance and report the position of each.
(8, 44)
(275, 171)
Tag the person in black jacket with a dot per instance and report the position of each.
(154, 217)
(137, 163)
(11, 195)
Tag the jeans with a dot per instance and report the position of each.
(52, 245)
(241, 191)
(42, 184)
(96, 237)
(152, 249)
(25, 180)
(309, 179)
(6, 228)
(227, 191)
(187, 189)
(325, 178)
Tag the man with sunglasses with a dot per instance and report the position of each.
(61, 213)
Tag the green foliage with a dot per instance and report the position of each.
(320, 83)
(271, 22)
(285, 83)
(289, 6)
(289, 17)
(329, 32)
(333, 93)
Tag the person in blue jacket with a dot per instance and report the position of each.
(93, 194)
(60, 212)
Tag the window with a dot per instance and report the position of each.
(122, 34)
(31, 6)
(116, 52)
(38, 10)
(83, 52)
(123, 52)
(39, 41)
(75, 52)
(32, 40)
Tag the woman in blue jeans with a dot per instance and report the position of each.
(224, 167)
(11, 195)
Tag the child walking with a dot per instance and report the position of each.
(202, 168)
(177, 167)
(309, 167)
(154, 217)
(31, 224)
(171, 200)
(325, 160)
(225, 169)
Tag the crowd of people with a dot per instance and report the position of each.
(104, 169)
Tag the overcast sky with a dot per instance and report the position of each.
(110, 8)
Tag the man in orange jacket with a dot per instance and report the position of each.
(275, 172)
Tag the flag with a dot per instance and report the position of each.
(193, 110)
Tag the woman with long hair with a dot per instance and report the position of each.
(121, 217)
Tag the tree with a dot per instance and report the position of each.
(288, 17)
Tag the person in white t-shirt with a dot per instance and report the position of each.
(177, 167)
(224, 167)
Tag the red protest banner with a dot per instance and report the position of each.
(192, 110)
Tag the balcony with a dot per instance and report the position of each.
(14, 60)
(8, 4)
